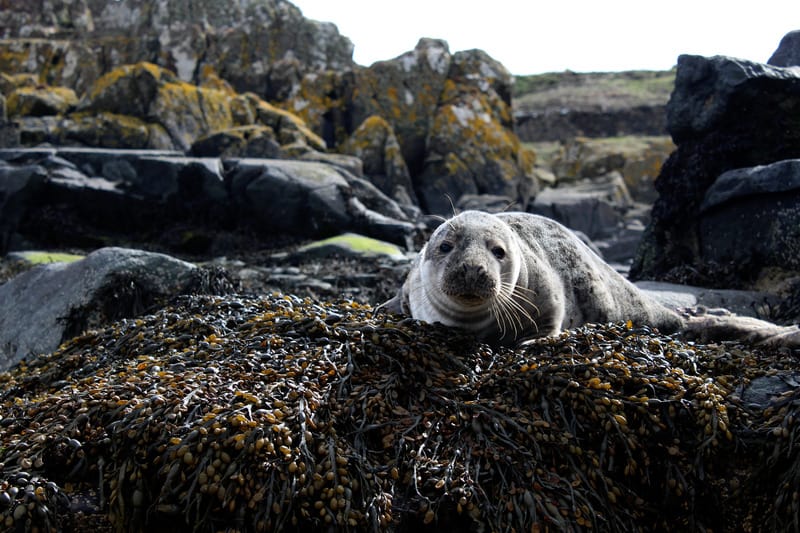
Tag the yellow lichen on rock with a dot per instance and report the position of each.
(40, 101)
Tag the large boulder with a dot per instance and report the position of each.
(471, 147)
(724, 114)
(406, 92)
(41, 308)
(593, 207)
(314, 200)
(61, 41)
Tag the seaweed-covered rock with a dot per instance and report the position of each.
(286, 413)
(49, 304)
(724, 114)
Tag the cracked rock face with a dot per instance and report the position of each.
(240, 41)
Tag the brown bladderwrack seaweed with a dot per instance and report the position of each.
(279, 413)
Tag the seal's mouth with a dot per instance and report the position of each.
(470, 299)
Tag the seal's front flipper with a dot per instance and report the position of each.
(394, 306)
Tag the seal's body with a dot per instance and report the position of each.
(514, 276)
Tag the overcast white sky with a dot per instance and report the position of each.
(534, 36)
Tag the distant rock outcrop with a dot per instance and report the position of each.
(451, 114)
(73, 43)
(726, 114)
(196, 77)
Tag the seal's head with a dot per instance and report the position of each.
(468, 274)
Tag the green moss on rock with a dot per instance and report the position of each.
(352, 244)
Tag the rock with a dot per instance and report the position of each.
(638, 159)
(144, 106)
(155, 95)
(710, 92)
(88, 198)
(788, 52)
(41, 308)
(562, 123)
(315, 200)
(290, 129)
(724, 114)
(751, 217)
(406, 92)
(244, 141)
(375, 143)
(350, 164)
(40, 101)
(240, 42)
(100, 130)
(491, 203)
(594, 207)
(471, 146)
(18, 186)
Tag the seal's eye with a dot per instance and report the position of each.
(498, 252)
(445, 247)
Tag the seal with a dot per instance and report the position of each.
(510, 277)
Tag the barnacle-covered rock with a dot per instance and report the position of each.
(281, 413)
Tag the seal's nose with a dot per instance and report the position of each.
(474, 275)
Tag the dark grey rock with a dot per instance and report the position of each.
(724, 114)
(315, 200)
(18, 186)
(594, 207)
(708, 90)
(45, 306)
(762, 391)
(783, 176)
(751, 216)
(788, 52)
